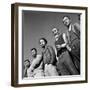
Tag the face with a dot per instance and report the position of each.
(26, 63)
(55, 31)
(34, 53)
(66, 21)
(42, 43)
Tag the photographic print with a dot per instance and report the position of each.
(49, 44)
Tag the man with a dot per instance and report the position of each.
(26, 66)
(49, 58)
(73, 36)
(65, 65)
(36, 68)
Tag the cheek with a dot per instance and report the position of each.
(68, 21)
(40, 44)
(43, 43)
(55, 32)
(24, 64)
(64, 22)
(27, 64)
(33, 53)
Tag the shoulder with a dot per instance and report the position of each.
(49, 47)
(76, 25)
(36, 60)
(39, 56)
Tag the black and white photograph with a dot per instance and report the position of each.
(51, 44)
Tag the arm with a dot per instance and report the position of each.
(33, 65)
(77, 29)
(63, 44)
(77, 26)
(30, 71)
(66, 42)
(58, 47)
(52, 55)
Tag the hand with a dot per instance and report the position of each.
(67, 46)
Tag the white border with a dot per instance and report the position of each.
(51, 79)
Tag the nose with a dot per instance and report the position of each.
(40, 43)
(65, 22)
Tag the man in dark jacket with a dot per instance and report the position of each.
(26, 67)
(65, 65)
(49, 58)
(73, 35)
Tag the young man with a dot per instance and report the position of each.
(36, 68)
(49, 58)
(73, 37)
(65, 65)
(26, 66)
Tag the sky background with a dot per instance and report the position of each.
(37, 24)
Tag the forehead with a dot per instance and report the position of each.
(42, 40)
(54, 29)
(26, 61)
(33, 50)
(65, 18)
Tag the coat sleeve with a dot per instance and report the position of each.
(77, 29)
(52, 55)
(77, 26)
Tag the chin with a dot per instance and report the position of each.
(43, 46)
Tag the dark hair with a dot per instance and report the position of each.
(28, 61)
(66, 16)
(56, 28)
(34, 49)
(43, 39)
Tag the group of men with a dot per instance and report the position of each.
(66, 60)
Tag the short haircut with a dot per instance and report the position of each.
(66, 16)
(43, 39)
(34, 49)
(28, 61)
(55, 28)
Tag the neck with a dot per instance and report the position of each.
(44, 47)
